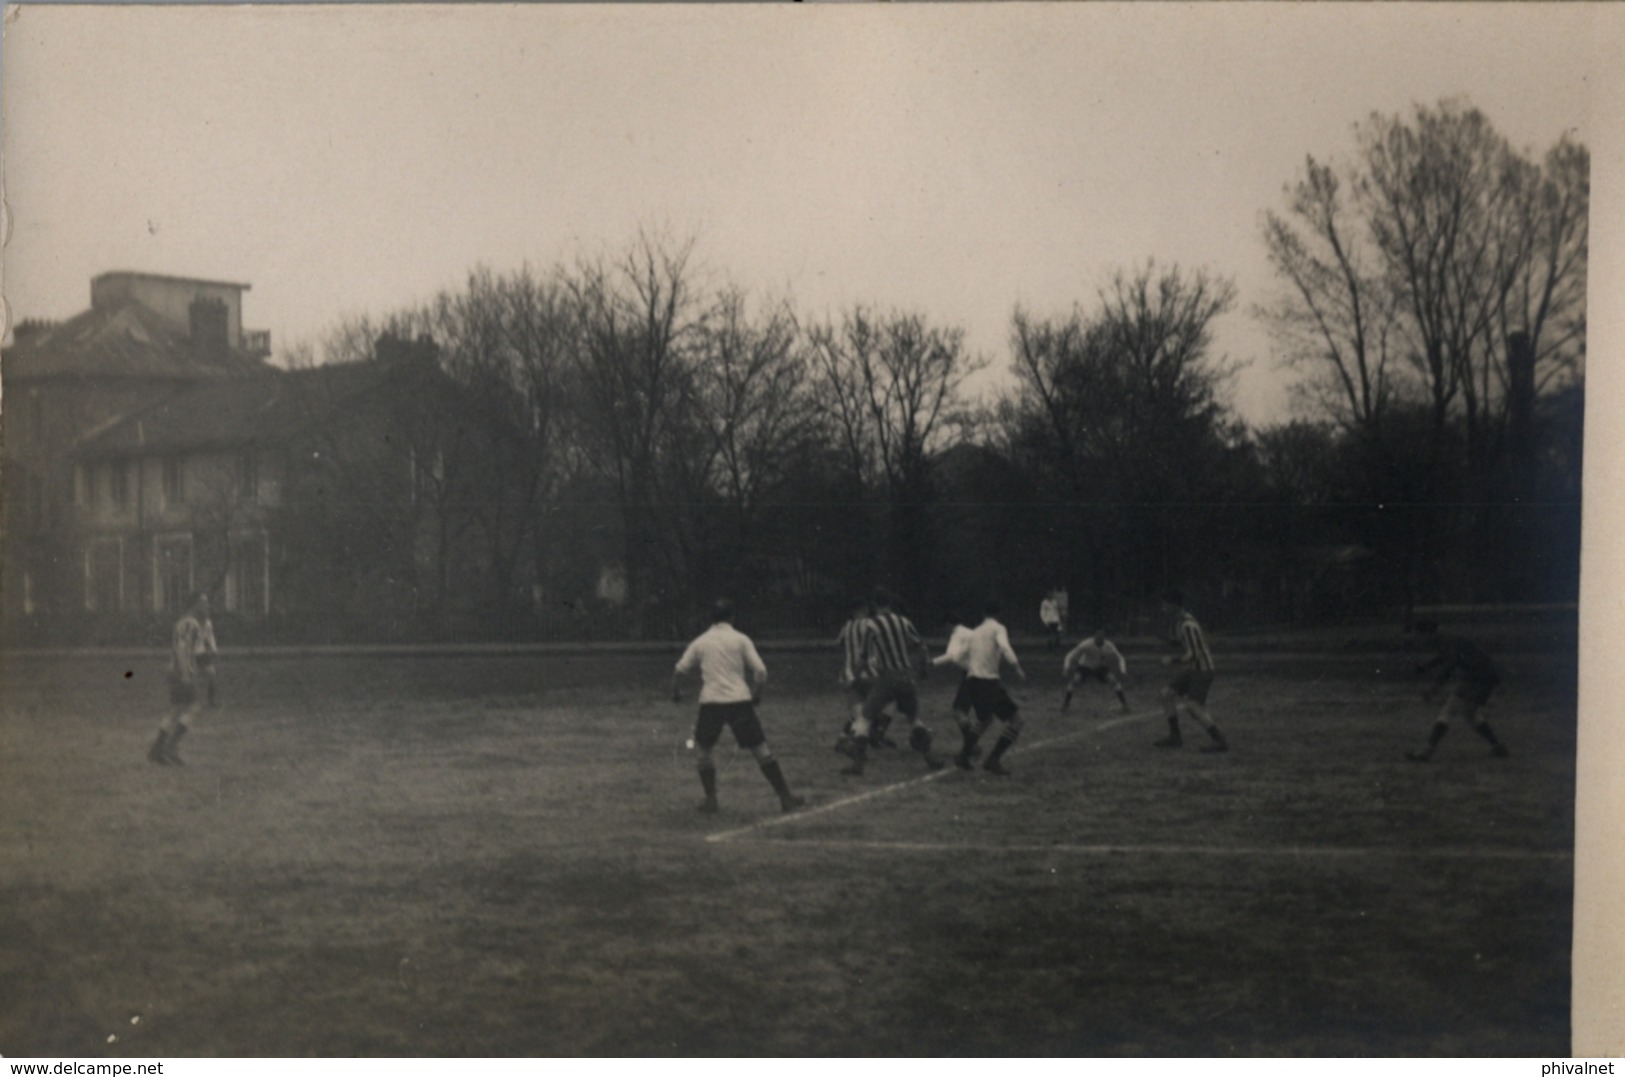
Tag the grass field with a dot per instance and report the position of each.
(370, 856)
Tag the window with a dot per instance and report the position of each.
(248, 476)
(174, 481)
(93, 476)
(119, 482)
(104, 576)
(248, 582)
(172, 572)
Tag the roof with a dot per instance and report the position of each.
(124, 341)
(266, 407)
(169, 277)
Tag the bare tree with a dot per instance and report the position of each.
(1124, 408)
(637, 323)
(1336, 320)
(889, 386)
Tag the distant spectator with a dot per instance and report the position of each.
(1049, 613)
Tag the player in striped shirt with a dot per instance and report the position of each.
(1097, 659)
(1187, 693)
(186, 643)
(891, 643)
(1476, 676)
(856, 676)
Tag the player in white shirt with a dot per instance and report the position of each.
(1095, 659)
(732, 675)
(1049, 612)
(982, 653)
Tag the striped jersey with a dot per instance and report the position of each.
(851, 641)
(187, 641)
(1192, 638)
(890, 642)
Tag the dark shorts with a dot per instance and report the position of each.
(1475, 692)
(739, 717)
(860, 689)
(1085, 674)
(892, 686)
(989, 699)
(181, 693)
(962, 696)
(1193, 684)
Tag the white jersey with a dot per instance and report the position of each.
(1088, 656)
(982, 649)
(723, 654)
(957, 652)
(1049, 612)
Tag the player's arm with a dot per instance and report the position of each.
(1070, 662)
(917, 647)
(186, 654)
(1122, 663)
(1008, 653)
(755, 672)
(685, 665)
(1187, 653)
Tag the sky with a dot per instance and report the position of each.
(954, 160)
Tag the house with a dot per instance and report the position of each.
(146, 338)
(278, 493)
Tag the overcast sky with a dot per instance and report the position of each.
(955, 160)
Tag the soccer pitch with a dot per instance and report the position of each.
(501, 855)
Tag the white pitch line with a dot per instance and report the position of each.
(1283, 851)
(796, 817)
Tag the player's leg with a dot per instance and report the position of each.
(859, 691)
(707, 729)
(1441, 726)
(159, 752)
(1171, 695)
(1194, 704)
(1117, 686)
(1474, 697)
(971, 730)
(747, 729)
(1073, 679)
(919, 737)
(1005, 709)
(183, 724)
(874, 704)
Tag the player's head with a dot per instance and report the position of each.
(199, 603)
(884, 599)
(861, 607)
(951, 619)
(990, 608)
(722, 611)
(1173, 598)
(1099, 636)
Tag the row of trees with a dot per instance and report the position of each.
(633, 411)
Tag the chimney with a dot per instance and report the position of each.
(211, 328)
